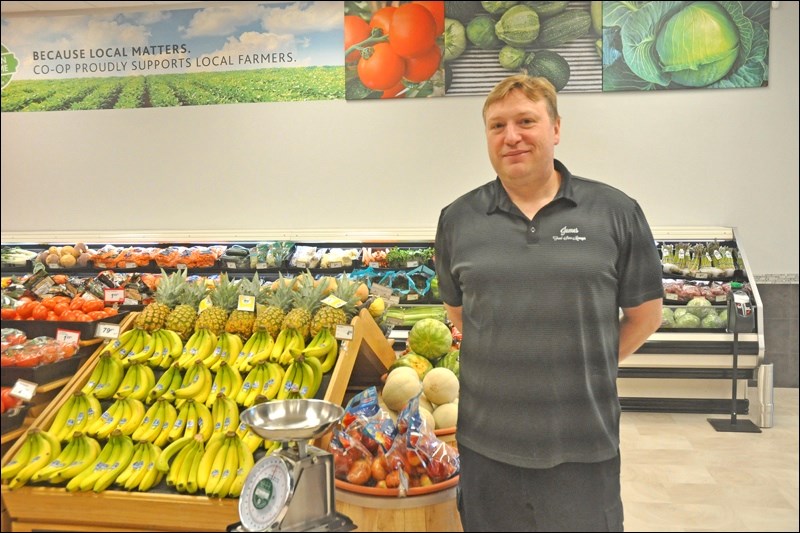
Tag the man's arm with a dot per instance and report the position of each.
(636, 325)
(454, 314)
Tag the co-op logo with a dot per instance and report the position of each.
(569, 234)
(10, 63)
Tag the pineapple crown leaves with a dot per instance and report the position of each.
(282, 296)
(226, 294)
(308, 296)
(170, 287)
(252, 287)
(192, 294)
(346, 291)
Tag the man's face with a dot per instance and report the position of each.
(521, 137)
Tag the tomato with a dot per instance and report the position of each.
(383, 70)
(97, 315)
(26, 309)
(8, 313)
(93, 305)
(52, 316)
(394, 91)
(60, 308)
(28, 359)
(421, 68)
(382, 19)
(413, 31)
(437, 10)
(110, 311)
(62, 299)
(76, 304)
(49, 302)
(355, 31)
(40, 312)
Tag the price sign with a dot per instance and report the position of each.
(205, 303)
(374, 264)
(380, 290)
(24, 390)
(68, 336)
(412, 297)
(392, 300)
(246, 303)
(114, 295)
(671, 296)
(107, 330)
(335, 264)
(412, 264)
(333, 301)
(344, 332)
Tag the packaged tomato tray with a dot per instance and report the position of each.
(40, 359)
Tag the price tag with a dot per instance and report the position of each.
(412, 264)
(335, 264)
(380, 290)
(393, 321)
(344, 332)
(721, 298)
(246, 303)
(374, 264)
(114, 295)
(333, 301)
(261, 265)
(412, 297)
(68, 336)
(180, 266)
(24, 390)
(392, 300)
(700, 275)
(107, 330)
(130, 301)
(231, 264)
(130, 265)
(205, 303)
(671, 296)
(300, 263)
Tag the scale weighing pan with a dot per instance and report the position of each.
(292, 420)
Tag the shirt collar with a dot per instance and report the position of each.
(500, 200)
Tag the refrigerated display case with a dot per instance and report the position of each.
(678, 369)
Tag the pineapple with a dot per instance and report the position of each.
(277, 303)
(328, 316)
(306, 301)
(181, 320)
(239, 321)
(155, 314)
(224, 298)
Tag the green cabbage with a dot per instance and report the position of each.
(699, 306)
(712, 321)
(688, 320)
(667, 318)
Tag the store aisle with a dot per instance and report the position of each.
(679, 474)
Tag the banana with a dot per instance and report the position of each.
(152, 476)
(229, 469)
(240, 357)
(191, 480)
(105, 424)
(90, 474)
(279, 345)
(39, 457)
(204, 467)
(130, 474)
(207, 345)
(57, 462)
(194, 383)
(251, 440)
(291, 378)
(64, 415)
(112, 378)
(205, 425)
(96, 376)
(144, 383)
(80, 416)
(320, 345)
(162, 385)
(141, 338)
(166, 455)
(145, 353)
(275, 373)
(87, 451)
(170, 415)
(178, 426)
(132, 337)
(308, 379)
(128, 383)
(94, 410)
(189, 465)
(255, 385)
(151, 423)
(121, 459)
(217, 466)
(189, 351)
(177, 381)
(175, 344)
(316, 367)
(191, 419)
(135, 415)
(235, 345)
(246, 461)
(224, 414)
(216, 354)
(177, 463)
(121, 342)
(20, 459)
(330, 358)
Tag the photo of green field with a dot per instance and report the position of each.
(170, 90)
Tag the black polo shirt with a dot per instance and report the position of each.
(541, 303)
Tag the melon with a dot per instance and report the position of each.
(401, 385)
(440, 386)
(446, 415)
(430, 338)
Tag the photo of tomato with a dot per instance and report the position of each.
(394, 49)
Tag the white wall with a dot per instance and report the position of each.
(694, 158)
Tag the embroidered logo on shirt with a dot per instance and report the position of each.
(569, 234)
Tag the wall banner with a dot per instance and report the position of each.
(236, 53)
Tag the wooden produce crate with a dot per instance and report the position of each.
(364, 358)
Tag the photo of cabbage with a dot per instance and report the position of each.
(685, 45)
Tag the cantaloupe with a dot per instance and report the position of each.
(446, 415)
(440, 385)
(401, 385)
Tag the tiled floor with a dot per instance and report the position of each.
(680, 474)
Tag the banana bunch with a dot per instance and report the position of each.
(224, 413)
(329, 359)
(257, 349)
(141, 350)
(249, 437)
(127, 343)
(106, 377)
(75, 414)
(228, 347)
(199, 346)
(141, 473)
(321, 344)
(34, 453)
(196, 383)
(139, 379)
(112, 460)
(264, 379)
(193, 418)
(167, 347)
(224, 465)
(80, 451)
(288, 345)
(157, 423)
(170, 381)
(185, 454)
(303, 377)
(125, 414)
(227, 381)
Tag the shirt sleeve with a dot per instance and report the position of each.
(449, 287)
(639, 265)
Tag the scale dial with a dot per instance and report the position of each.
(265, 493)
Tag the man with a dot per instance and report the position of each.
(533, 269)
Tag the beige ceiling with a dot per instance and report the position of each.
(28, 7)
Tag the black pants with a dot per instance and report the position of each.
(495, 496)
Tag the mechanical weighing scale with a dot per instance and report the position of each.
(291, 489)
